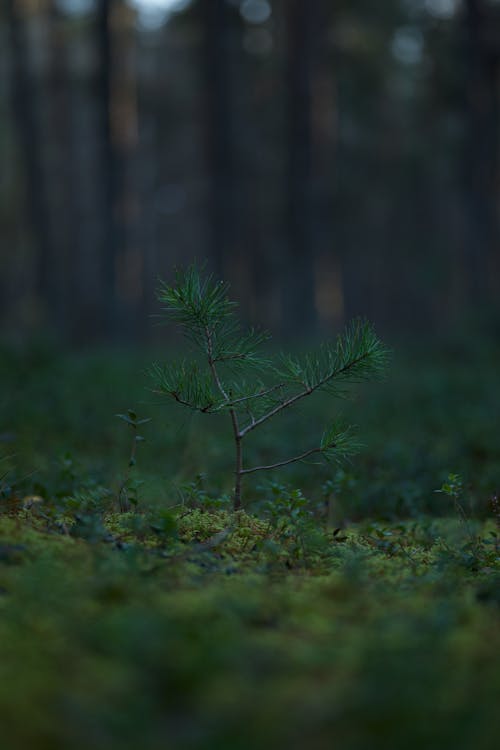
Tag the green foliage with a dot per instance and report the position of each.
(437, 409)
(233, 620)
(193, 494)
(355, 356)
(337, 613)
(207, 317)
(5, 477)
(128, 493)
(188, 384)
(132, 420)
(453, 487)
(205, 313)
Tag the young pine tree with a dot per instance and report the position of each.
(235, 378)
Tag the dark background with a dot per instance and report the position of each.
(329, 159)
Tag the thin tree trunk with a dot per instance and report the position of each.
(221, 199)
(109, 165)
(23, 99)
(299, 293)
(481, 152)
(328, 279)
(63, 172)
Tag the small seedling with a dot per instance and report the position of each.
(235, 377)
(495, 535)
(5, 485)
(127, 493)
(454, 488)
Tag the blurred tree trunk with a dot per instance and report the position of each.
(63, 169)
(299, 291)
(328, 272)
(110, 166)
(219, 147)
(129, 265)
(23, 98)
(481, 156)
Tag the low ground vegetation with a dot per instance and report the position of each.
(347, 606)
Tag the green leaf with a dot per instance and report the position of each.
(125, 418)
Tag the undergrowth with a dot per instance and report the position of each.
(215, 629)
(353, 607)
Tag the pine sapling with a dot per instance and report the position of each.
(236, 379)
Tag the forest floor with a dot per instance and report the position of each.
(347, 606)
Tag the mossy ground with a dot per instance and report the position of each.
(359, 612)
(227, 633)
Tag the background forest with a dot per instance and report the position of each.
(329, 159)
(162, 586)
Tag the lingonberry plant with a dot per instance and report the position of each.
(236, 379)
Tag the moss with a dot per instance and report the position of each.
(149, 641)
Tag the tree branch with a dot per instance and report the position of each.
(259, 394)
(283, 463)
(298, 396)
(202, 409)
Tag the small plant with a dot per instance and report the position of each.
(5, 484)
(235, 377)
(194, 495)
(454, 487)
(473, 552)
(129, 486)
(495, 507)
